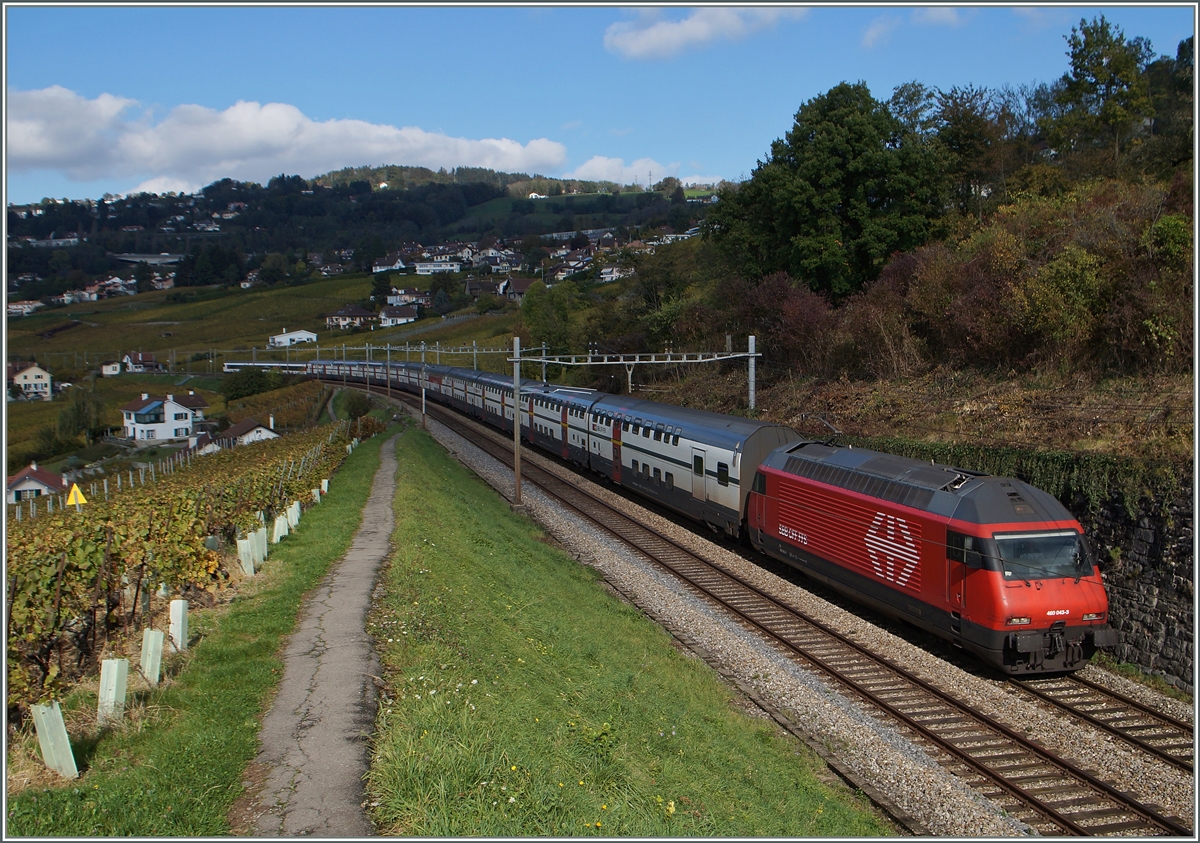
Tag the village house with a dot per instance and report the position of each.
(109, 368)
(247, 431)
(475, 288)
(390, 316)
(173, 417)
(514, 289)
(392, 263)
(23, 308)
(350, 316)
(408, 295)
(31, 379)
(141, 363)
(435, 266)
(34, 482)
(289, 338)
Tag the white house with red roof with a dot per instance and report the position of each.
(173, 417)
(33, 482)
(247, 431)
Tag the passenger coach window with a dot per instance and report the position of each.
(625, 426)
(676, 442)
(723, 474)
(698, 466)
(657, 476)
(670, 481)
(964, 549)
(635, 466)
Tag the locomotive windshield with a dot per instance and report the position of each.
(1040, 556)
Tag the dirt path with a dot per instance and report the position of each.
(307, 778)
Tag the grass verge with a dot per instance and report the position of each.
(524, 699)
(175, 766)
(1136, 674)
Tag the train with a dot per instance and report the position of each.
(995, 566)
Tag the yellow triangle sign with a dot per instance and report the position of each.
(76, 496)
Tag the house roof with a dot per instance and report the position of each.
(520, 285)
(17, 366)
(140, 357)
(398, 312)
(353, 311)
(192, 401)
(242, 428)
(40, 475)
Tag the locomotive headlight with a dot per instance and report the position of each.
(1093, 616)
(1017, 621)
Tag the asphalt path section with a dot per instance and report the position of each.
(308, 777)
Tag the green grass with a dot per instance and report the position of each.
(1135, 674)
(525, 700)
(179, 768)
(220, 319)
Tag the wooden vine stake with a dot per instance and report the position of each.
(52, 737)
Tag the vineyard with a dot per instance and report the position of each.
(77, 575)
(293, 407)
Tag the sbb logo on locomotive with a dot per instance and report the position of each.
(892, 549)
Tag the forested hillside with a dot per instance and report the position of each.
(1044, 228)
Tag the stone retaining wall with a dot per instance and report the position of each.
(1147, 562)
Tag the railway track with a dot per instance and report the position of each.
(1031, 783)
(1149, 730)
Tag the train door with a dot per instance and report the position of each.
(563, 424)
(962, 557)
(698, 474)
(616, 446)
(756, 505)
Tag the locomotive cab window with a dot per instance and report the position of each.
(1040, 556)
(760, 483)
(723, 474)
(964, 549)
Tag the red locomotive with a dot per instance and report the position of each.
(992, 564)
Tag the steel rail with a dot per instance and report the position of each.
(1178, 737)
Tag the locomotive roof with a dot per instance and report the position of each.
(943, 490)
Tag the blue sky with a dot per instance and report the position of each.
(122, 98)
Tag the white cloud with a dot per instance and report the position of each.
(879, 31)
(57, 129)
(940, 15)
(573, 124)
(600, 168)
(165, 184)
(651, 37)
